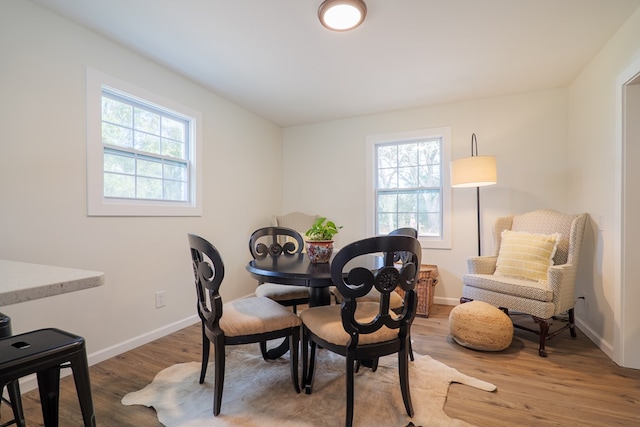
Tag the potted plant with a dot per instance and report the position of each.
(319, 239)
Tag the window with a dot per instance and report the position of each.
(142, 151)
(409, 176)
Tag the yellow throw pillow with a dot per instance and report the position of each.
(526, 255)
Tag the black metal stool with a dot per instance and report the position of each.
(13, 387)
(5, 325)
(43, 352)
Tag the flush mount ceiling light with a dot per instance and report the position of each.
(342, 15)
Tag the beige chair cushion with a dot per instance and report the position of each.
(529, 289)
(255, 315)
(326, 323)
(279, 292)
(480, 326)
(526, 255)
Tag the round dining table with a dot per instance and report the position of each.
(297, 270)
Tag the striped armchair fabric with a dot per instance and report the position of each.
(298, 221)
(541, 299)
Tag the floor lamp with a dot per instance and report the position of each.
(475, 171)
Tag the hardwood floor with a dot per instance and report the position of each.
(577, 385)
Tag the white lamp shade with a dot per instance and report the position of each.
(475, 171)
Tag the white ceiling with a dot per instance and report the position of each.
(274, 58)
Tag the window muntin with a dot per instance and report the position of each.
(408, 191)
(409, 184)
(144, 152)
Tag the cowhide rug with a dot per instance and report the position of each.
(259, 393)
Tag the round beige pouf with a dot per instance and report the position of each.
(480, 326)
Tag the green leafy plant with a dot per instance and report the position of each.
(321, 230)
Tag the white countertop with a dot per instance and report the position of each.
(21, 281)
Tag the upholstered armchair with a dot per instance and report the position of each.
(533, 269)
(298, 221)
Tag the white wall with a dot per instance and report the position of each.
(594, 175)
(557, 148)
(43, 185)
(526, 132)
(554, 148)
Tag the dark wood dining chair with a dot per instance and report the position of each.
(277, 241)
(403, 231)
(395, 300)
(241, 321)
(273, 242)
(405, 257)
(365, 330)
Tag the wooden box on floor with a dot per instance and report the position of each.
(427, 280)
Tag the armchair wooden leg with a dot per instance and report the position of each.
(572, 323)
(544, 329)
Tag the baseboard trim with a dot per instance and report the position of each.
(30, 382)
(145, 338)
(446, 301)
(600, 342)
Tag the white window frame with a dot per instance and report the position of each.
(97, 204)
(444, 241)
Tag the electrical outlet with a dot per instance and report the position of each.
(160, 299)
(583, 299)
